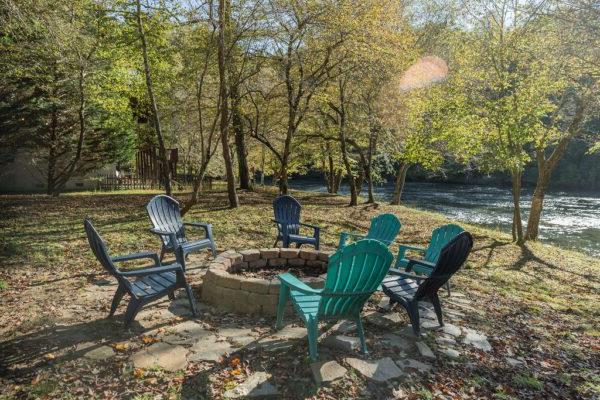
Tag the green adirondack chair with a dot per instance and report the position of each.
(353, 274)
(384, 228)
(439, 238)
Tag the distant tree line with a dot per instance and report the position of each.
(358, 90)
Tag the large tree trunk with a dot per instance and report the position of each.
(517, 224)
(399, 185)
(545, 169)
(223, 25)
(240, 140)
(162, 153)
(51, 168)
(369, 165)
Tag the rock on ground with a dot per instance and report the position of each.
(256, 385)
(342, 342)
(425, 350)
(164, 355)
(380, 370)
(476, 339)
(100, 353)
(209, 349)
(327, 371)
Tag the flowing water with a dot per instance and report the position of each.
(570, 219)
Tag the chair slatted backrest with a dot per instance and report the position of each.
(287, 208)
(439, 238)
(165, 215)
(99, 248)
(353, 274)
(452, 257)
(385, 228)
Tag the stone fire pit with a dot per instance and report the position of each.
(226, 286)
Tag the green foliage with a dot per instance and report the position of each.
(528, 382)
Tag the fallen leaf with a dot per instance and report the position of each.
(121, 346)
(138, 373)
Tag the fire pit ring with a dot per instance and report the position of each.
(225, 288)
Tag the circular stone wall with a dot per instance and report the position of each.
(230, 291)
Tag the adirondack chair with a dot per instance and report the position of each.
(384, 228)
(408, 289)
(143, 285)
(287, 218)
(354, 273)
(439, 238)
(166, 218)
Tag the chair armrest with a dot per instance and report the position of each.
(155, 270)
(315, 227)
(419, 263)
(395, 271)
(137, 256)
(290, 280)
(171, 235)
(403, 248)
(198, 224)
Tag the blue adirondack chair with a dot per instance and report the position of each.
(287, 218)
(143, 285)
(439, 238)
(384, 228)
(353, 274)
(166, 218)
(408, 289)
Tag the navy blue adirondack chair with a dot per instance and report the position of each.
(166, 218)
(287, 218)
(143, 285)
(407, 289)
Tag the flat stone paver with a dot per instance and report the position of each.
(342, 342)
(451, 329)
(209, 349)
(445, 340)
(514, 362)
(238, 336)
(414, 364)
(380, 370)
(100, 353)
(476, 339)
(424, 350)
(327, 371)
(397, 341)
(344, 327)
(256, 385)
(450, 352)
(167, 356)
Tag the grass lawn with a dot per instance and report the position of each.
(537, 302)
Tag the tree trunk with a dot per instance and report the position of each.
(369, 164)
(223, 24)
(546, 168)
(262, 166)
(240, 140)
(51, 170)
(165, 170)
(517, 225)
(399, 185)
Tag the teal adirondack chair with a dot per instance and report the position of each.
(384, 228)
(353, 274)
(439, 238)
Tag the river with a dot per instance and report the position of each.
(570, 219)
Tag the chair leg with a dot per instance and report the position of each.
(435, 300)
(132, 310)
(283, 296)
(276, 240)
(361, 335)
(312, 327)
(191, 299)
(162, 253)
(413, 314)
(213, 249)
(116, 300)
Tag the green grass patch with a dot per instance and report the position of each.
(528, 382)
